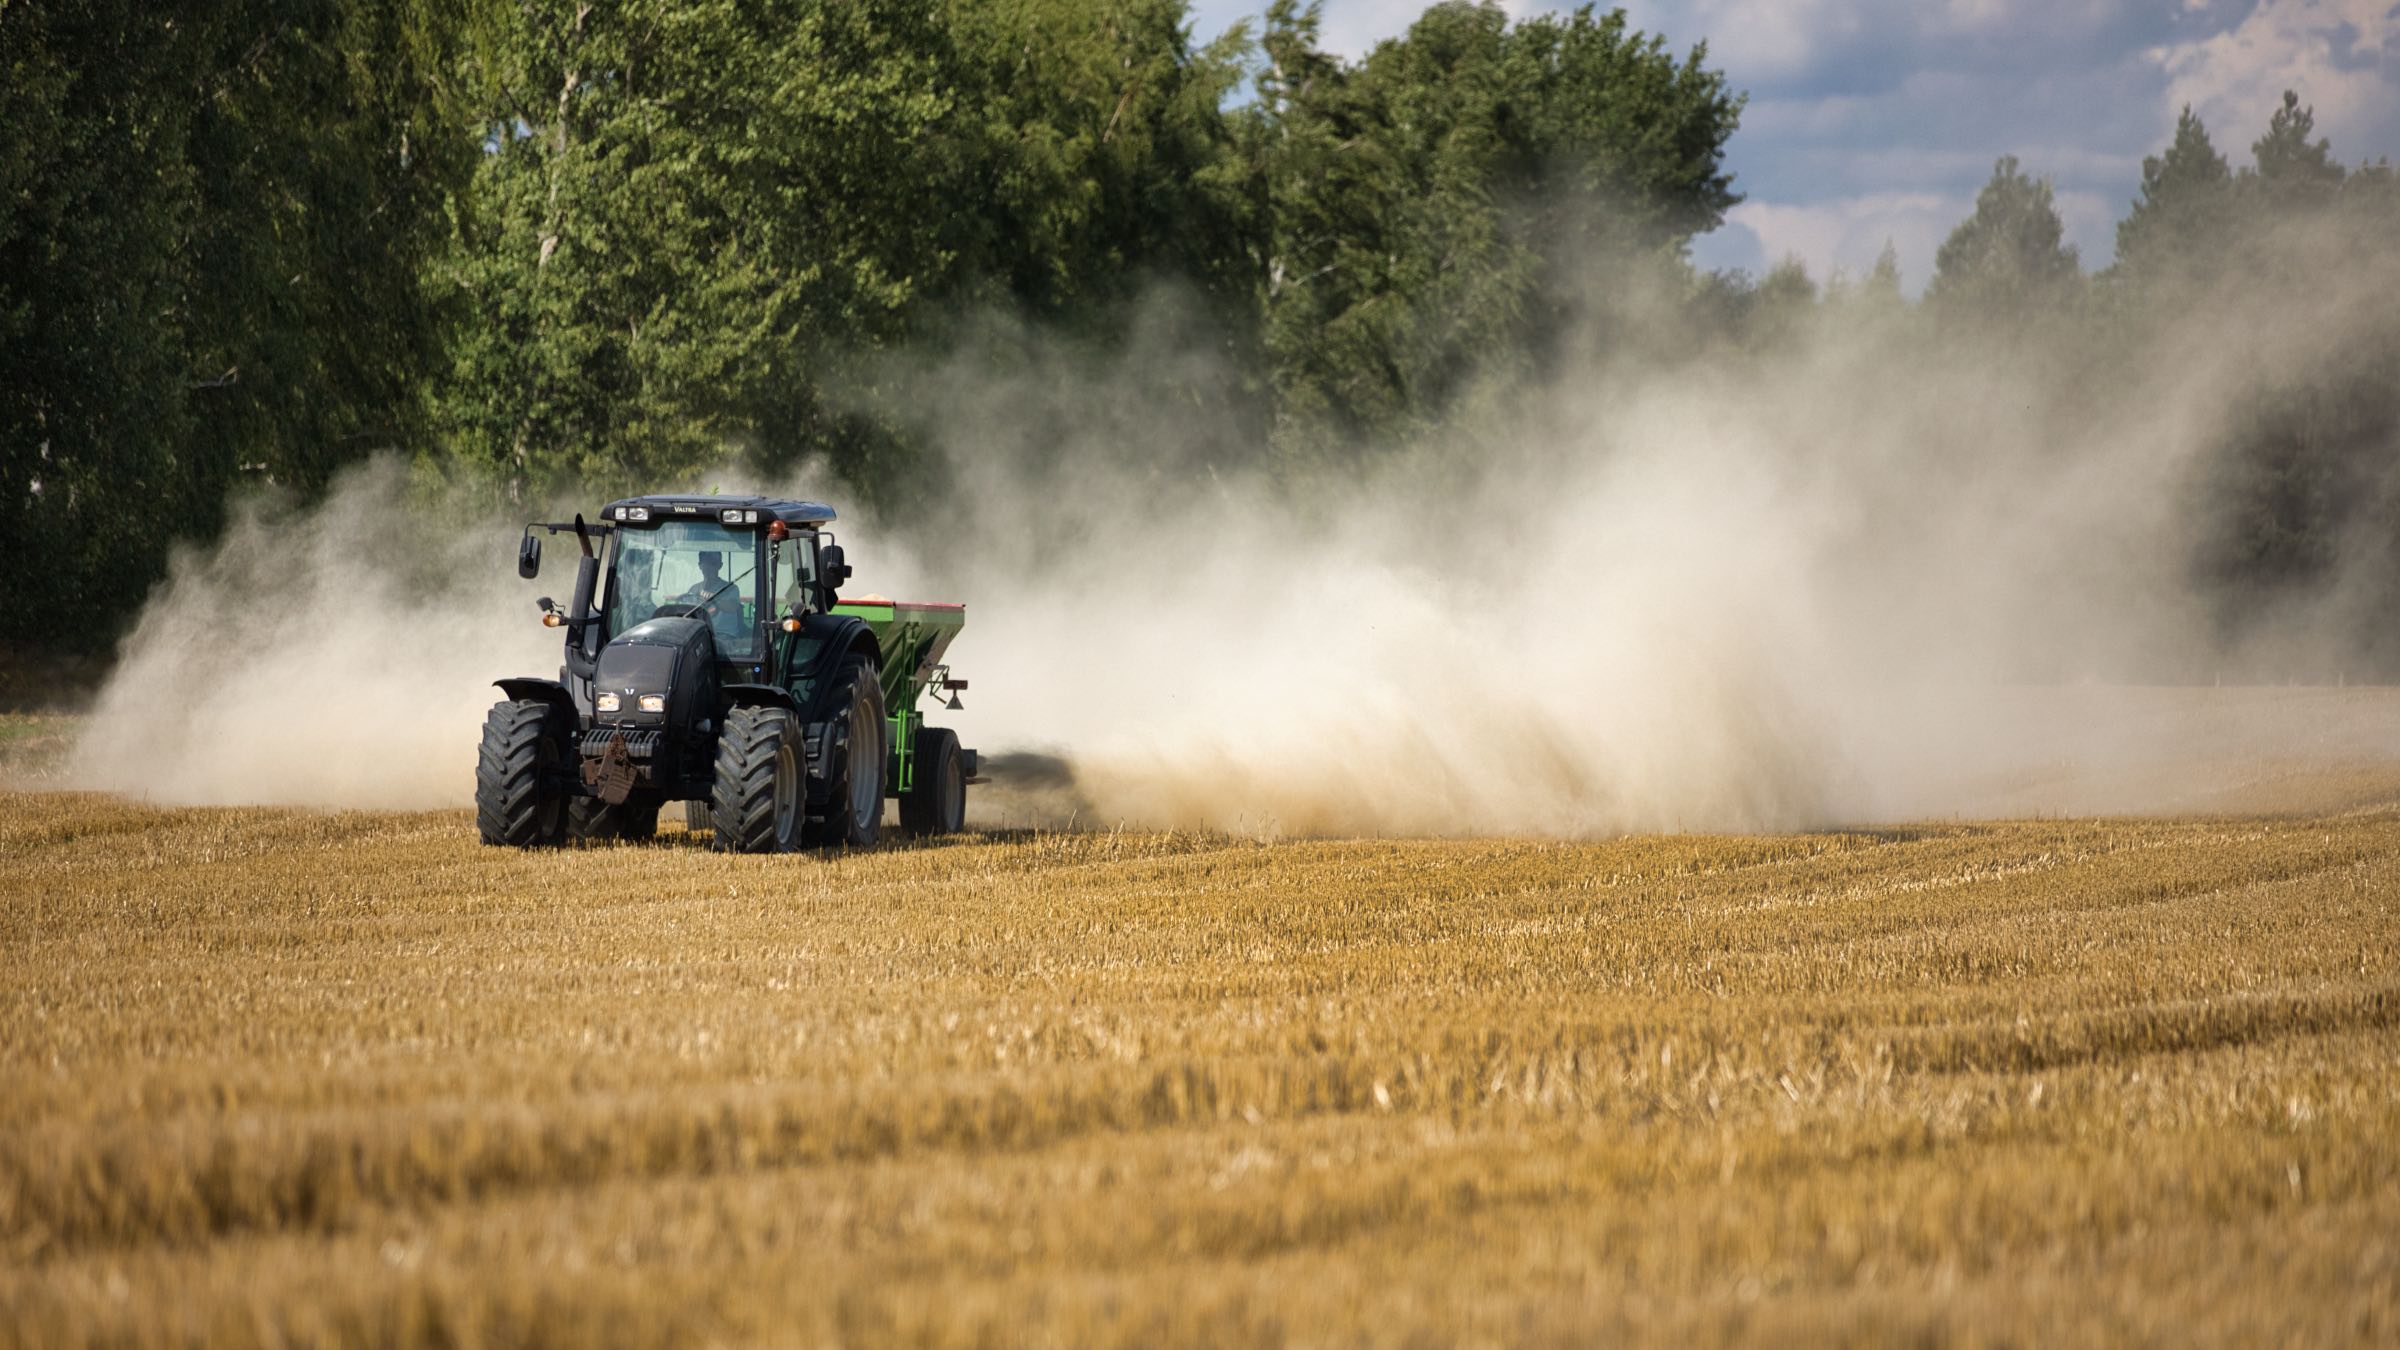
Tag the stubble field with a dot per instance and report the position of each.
(274, 1076)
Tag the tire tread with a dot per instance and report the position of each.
(742, 804)
(510, 801)
(921, 806)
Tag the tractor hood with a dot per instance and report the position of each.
(670, 660)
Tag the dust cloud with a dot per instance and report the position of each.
(1859, 578)
(340, 655)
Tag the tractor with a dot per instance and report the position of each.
(711, 659)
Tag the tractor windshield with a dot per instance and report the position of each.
(689, 567)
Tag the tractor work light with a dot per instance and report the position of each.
(606, 703)
(636, 514)
(736, 516)
(654, 703)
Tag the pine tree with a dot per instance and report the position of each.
(1883, 284)
(2184, 208)
(2293, 171)
(2007, 262)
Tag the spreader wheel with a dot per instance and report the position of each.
(936, 801)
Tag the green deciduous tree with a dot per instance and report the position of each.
(1102, 156)
(212, 227)
(1436, 210)
(697, 222)
(684, 212)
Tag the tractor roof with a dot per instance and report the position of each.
(668, 506)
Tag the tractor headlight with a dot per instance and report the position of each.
(734, 516)
(656, 703)
(634, 513)
(606, 703)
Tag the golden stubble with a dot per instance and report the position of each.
(276, 1076)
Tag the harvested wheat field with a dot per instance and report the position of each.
(274, 1076)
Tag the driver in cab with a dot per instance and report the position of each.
(720, 600)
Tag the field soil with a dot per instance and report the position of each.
(272, 1076)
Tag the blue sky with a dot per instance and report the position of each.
(1876, 119)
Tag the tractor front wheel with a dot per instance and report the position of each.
(518, 801)
(936, 800)
(761, 794)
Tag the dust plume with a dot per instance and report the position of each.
(340, 655)
(1859, 578)
(1863, 576)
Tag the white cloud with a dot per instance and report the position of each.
(2091, 225)
(1353, 26)
(1816, 45)
(1847, 234)
(1731, 247)
(1775, 38)
(1350, 27)
(2342, 56)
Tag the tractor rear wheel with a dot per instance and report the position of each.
(854, 800)
(593, 820)
(518, 801)
(936, 801)
(761, 794)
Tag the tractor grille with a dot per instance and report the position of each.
(638, 744)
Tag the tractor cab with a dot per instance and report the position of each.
(759, 573)
(741, 565)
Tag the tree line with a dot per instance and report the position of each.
(565, 242)
(2297, 483)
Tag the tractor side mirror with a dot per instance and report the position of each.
(831, 569)
(529, 556)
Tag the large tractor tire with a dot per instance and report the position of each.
(594, 821)
(936, 801)
(518, 802)
(761, 796)
(854, 800)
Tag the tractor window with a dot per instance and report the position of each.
(686, 563)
